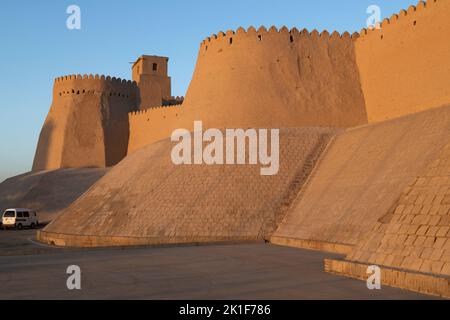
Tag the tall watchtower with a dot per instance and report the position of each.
(150, 73)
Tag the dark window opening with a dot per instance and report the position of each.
(292, 39)
(155, 67)
(259, 37)
(415, 22)
(9, 214)
(231, 40)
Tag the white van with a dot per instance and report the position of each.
(19, 218)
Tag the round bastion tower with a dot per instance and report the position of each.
(87, 125)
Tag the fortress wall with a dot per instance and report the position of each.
(362, 175)
(48, 153)
(152, 125)
(276, 78)
(87, 125)
(267, 79)
(404, 66)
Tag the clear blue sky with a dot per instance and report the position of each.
(36, 46)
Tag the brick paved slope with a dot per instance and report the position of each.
(146, 196)
(362, 176)
(415, 235)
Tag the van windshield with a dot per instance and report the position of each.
(9, 214)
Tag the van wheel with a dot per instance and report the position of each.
(32, 225)
(19, 226)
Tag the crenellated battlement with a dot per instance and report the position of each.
(293, 34)
(94, 77)
(91, 84)
(260, 34)
(170, 101)
(148, 111)
(409, 14)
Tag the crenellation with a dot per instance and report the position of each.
(421, 5)
(84, 77)
(146, 112)
(325, 34)
(314, 34)
(409, 13)
(385, 22)
(260, 33)
(355, 35)
(411, 9)
(75, 85)
(393, 19)
(240, 31)
(262, 30)
(346, 35)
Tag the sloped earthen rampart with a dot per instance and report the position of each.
(361, 176)
(146, 199)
